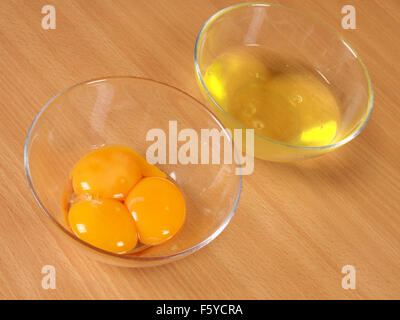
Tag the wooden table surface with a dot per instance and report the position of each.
(296, 226)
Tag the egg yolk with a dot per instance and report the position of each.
(147, 169)
(158, 208)
(105, 224)
(108, 172)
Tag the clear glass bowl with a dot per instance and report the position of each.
(289, 32)
(121, 110)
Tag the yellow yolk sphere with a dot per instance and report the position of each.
(159, 209)
(108, 172)
(105, 224)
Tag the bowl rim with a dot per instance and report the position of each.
(69, 234)
(215, 16)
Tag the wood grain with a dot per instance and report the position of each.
(296, 225)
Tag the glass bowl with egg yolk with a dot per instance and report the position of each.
(86, 150)
(120, 202)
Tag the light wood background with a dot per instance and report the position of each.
(297, 225)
